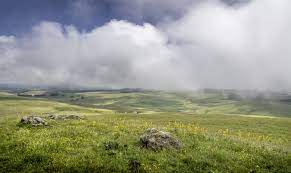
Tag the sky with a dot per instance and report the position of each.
(152, 44)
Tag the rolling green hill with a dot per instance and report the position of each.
(219, 133)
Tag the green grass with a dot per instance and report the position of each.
(214, 140)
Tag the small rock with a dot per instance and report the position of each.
(156, 140)
(51, 116)
(24, 120)
(38, 120)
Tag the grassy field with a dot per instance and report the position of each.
(219, 133)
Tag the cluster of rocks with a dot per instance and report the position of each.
(38, 121)
(152, 139)
(157, 140)
(65, 117)
(33, 120)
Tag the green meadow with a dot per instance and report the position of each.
(219, 132)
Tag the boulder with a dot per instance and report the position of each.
(24, 120)
(156, 140)
(33, 120)
(38, 120)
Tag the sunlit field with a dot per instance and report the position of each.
(218, 133)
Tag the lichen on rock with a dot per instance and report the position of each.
(156, 140)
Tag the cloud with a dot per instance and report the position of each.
(118, 54)
(236, 48)
(212, 45)
(6, 39)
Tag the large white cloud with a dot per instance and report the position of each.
(228, 47)
(212, 45)
(118, 54)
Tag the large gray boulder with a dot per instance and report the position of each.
(33, 120)
(156, 140)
